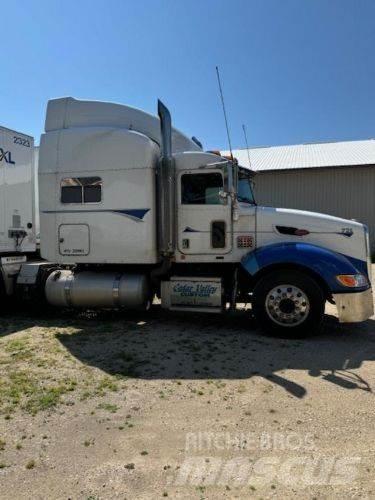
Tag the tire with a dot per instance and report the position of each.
(289, 304)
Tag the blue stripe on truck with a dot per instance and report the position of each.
(136, 214)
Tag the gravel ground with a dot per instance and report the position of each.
(183, 406)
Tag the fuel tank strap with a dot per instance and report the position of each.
(116, 291)
(68, 289)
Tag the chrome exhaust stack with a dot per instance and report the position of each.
(166, 185)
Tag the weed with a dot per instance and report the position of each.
(16, 345)
(108, 407)
(44, 399)
(106, 384)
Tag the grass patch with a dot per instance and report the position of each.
(18, 350)
(16, 345)
(36, 368)
(106, 384)
(23, 389)
(108, 407)
(14, 388)
(45, 399)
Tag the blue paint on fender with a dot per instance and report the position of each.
(326, 263)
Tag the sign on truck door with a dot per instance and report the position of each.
(204, 217)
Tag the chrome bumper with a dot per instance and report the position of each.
(354, 307)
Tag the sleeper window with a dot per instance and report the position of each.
(201, 189)
(81, 190)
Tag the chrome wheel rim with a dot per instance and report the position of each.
(287, 305)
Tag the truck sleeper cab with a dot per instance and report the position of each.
(131, 207)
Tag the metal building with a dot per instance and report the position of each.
(336, 178)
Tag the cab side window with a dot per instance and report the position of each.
(201, 189)
(81, 190)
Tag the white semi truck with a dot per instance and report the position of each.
(131, 208)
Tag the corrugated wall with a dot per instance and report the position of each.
(347, 192)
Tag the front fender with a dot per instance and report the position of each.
(321, 261)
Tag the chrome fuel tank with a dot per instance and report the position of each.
(97, 290)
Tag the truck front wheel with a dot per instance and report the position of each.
(289, 303)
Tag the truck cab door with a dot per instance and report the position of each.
(204, 215)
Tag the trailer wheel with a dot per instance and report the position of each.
(289, 303)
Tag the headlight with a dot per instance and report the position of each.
(352, 280)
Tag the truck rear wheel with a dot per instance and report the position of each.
(289, 303)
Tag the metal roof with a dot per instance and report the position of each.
(319, 155)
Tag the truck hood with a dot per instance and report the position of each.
(340, 235)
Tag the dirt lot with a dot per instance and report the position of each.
(183, 406)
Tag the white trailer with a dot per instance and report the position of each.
(17, 215)
(130, 208)
(16, 192)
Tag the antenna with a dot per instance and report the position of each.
(247, 144)
(224, 111)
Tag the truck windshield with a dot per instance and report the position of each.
(245, 190)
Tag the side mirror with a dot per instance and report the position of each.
(223, 197)
(226, 176)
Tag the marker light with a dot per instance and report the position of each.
(294, 231)
(352, 280)
(301, 232)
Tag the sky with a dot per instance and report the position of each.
(293, 71)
